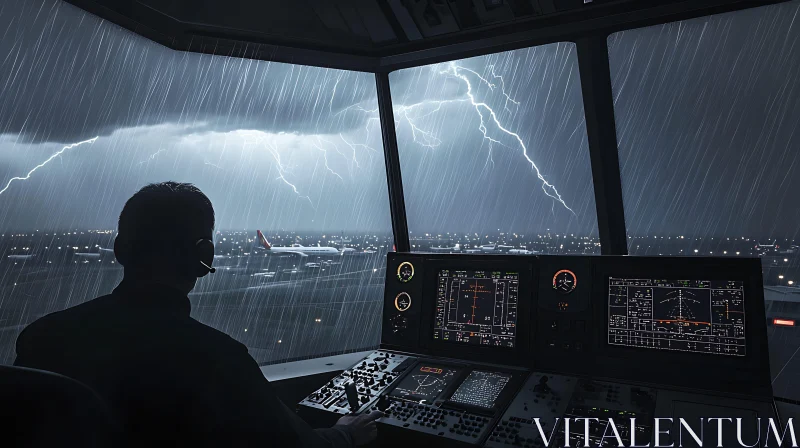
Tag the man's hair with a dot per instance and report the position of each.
(166, 211)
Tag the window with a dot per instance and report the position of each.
(494, 154)
(708, 112)
(90, 113)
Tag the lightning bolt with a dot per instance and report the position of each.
(548, 188)
(274, 151)
(325, 156)
(413, 113)
(58, 153)
(152, 156)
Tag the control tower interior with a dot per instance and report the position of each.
(482, 218)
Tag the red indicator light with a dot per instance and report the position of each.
(783, 322)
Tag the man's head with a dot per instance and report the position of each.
(158, 228)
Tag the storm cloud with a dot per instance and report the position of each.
(69, 74)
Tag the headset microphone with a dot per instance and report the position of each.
(210, 269)
(204, 254)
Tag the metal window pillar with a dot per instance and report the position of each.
(598, 104)
(391, 157)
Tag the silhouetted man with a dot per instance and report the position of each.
(170, 380)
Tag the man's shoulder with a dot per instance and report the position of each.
(69, 316)
(196, 328)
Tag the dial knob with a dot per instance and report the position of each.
(405, 272)
(402, 302)
(565, 281)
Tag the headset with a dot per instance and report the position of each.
(196, 259)
(204, 253)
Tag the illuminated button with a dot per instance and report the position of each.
(554, 325)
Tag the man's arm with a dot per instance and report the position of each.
(271, 411)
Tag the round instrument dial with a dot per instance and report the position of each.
(402, 302)
(405, 272)
(565, 281)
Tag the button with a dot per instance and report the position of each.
(565, 345)
(565, 326)
(579, 346)
(554, 325)
(580, 325)
(551, 343)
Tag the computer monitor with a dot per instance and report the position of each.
(481, 388)
(477, 307)
(426, 382)
(699, 316)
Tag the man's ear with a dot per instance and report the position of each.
(121, 250)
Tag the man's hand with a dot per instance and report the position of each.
(361, 427)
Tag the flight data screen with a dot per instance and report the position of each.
(481, 388)
(476, 307)
(701, 316)
(425, 383)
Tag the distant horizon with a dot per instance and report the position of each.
(440, 236)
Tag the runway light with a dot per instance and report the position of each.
(695, 251)
(783, 322)
(318, 320)
(780, 277)
(785, 260)
(245, 329)
(279, 341)
(791, 282)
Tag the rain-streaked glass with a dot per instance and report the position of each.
(89, 113)
(494, 154)
(708, 124)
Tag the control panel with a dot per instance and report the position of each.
(564, 333)
(429, 419)
(402, 302)
(368, 378)
(543, 397)
(542, 351)
(453, 401)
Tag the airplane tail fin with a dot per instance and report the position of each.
(262, 240)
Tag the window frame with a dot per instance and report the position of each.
(591, 40)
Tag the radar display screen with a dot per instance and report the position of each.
(425, 383)
(481, 388)
(476, 307)
(701, 316)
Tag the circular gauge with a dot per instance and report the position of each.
(565, 281)
(398, 324)
(402, 302)
(405, 272)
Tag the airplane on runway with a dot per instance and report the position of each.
(521, 252)
(21, 257)
(456, 248)
(87, 254)
(298, 249)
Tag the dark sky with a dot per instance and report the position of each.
(706, 113)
